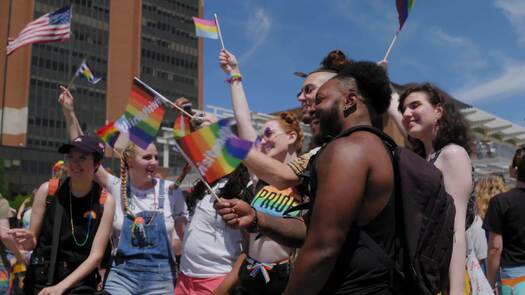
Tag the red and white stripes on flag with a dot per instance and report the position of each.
(50, 27)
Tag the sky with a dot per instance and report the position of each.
(474, 49)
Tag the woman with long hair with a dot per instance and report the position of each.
(143, 227)
(84, 224)
(265, 267)
(438, 132)
(486, 188)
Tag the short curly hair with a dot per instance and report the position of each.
(372, 83)
(452, 127)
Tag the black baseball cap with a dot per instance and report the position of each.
(87, 143)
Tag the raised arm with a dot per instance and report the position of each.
(455, 165)
(241, 110)
(67, 102)
(95, 255)
(74, 130)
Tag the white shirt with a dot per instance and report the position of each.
(210, 247)
(147, 200)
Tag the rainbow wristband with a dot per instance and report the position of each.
(233, 78)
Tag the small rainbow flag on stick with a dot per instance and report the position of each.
(109, 134)
(403, 9)
(214, 150)
(143, 114)
(208, 28)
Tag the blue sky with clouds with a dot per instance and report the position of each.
(473, 49)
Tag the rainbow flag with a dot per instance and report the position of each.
(181, 127)
(206, 28)
(214, 149)
(403, 9)
(86, 72)
(109, 134)
(143, 115)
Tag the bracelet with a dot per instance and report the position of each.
(233, 78)
(254, 226)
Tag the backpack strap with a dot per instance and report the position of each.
(389, 142)
(53, 186)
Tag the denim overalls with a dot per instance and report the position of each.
(143, 263)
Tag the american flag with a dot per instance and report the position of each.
(53, 26)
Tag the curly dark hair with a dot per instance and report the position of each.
(372, 84)
(518, 163)
(333, 62)
(235, 187)
(452, 127)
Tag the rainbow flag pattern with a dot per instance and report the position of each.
(275, 202)
(86, 72)
(215, 150)
(109, 133)
(90, 214)
(403, 9)
(206, 28)
(143, 115)
(182, 126)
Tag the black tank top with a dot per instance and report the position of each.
(82, 208)
(357, 270)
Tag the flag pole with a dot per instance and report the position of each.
(163, 98)
(219, 30)
(389, 50)
(198, 172)
(71, 81)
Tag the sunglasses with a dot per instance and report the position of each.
(307, 89)
(267, 133)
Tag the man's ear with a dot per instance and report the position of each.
(349, 103)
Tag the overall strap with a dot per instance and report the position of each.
(57, 222)
(162, 193)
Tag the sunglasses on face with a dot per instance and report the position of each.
(307, 89)
(267, 133)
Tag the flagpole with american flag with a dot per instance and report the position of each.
(51, 27)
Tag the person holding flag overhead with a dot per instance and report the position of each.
(146, 209)
(265, 267)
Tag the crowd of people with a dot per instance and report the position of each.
(323, 221)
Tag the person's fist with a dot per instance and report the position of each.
(236, 213)
(66, 99)
(228, 62)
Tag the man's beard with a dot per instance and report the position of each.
(330, 125)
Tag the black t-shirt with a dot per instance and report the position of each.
(506, 216)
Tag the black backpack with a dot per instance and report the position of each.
(424, 220)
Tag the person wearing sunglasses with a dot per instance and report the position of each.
(265, 267)
(288, 231)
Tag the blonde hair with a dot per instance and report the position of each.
(289, 123)
(486, 188)
(127, 154)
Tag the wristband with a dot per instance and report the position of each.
(254, 226)
(233, 78)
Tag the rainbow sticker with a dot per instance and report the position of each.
(90, 214)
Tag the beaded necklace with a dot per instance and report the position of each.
(71, 219)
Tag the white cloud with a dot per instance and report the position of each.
(514, 10)
(462, 53)
(379, 16)
(509, 83)
(257, 31)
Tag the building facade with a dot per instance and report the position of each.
(119, 39)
